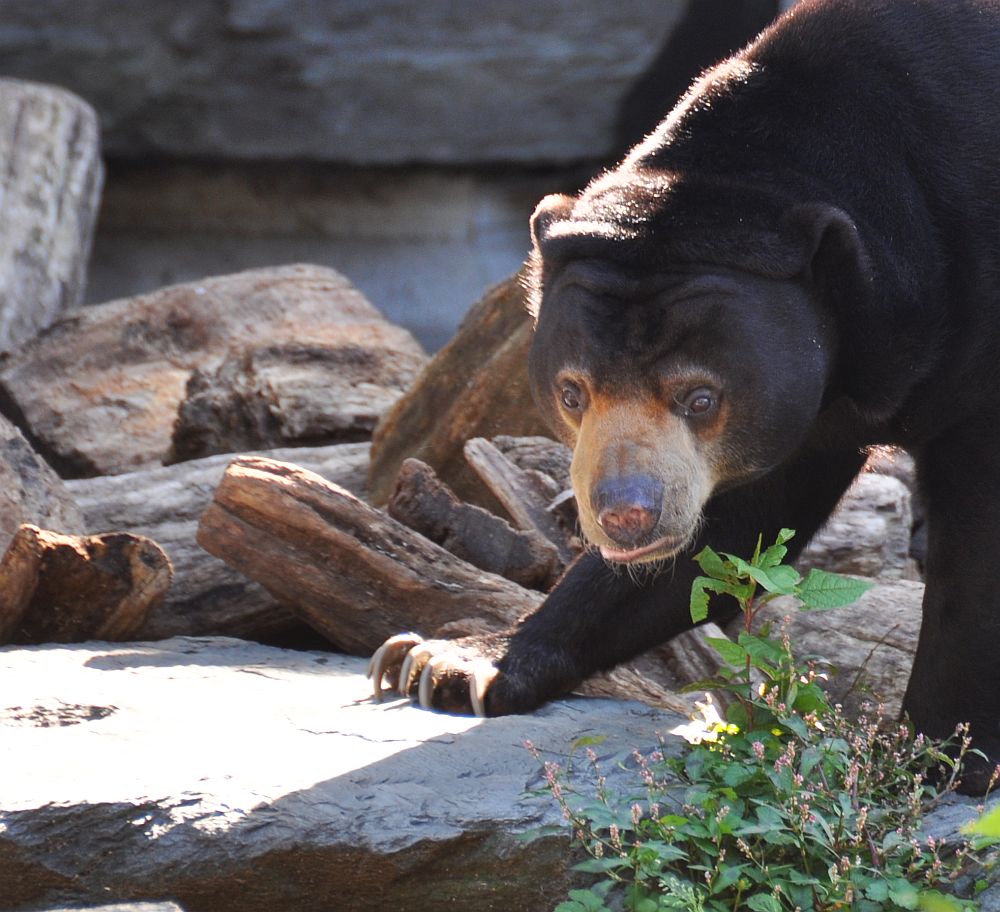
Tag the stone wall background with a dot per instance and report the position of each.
(402, 142)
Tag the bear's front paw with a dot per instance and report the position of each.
(442, 674)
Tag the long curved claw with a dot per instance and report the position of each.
(427, 681)
(481, 675)
(390, 656)
(412, 666)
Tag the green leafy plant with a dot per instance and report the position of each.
(780, 804)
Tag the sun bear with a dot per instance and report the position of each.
(801, 261)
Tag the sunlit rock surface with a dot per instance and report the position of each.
(225, 775)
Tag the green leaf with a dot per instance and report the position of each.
(587, 741)
(903, 893)
(702, 585)
(987, 825)
(699, 598)
(781, 579)
(760, 648)
(731, 652)
(582, 901)
(934, 901)
(763, 902)
(773, 556)
(776, 553)
(727, 877)
(822, 590)
(877, 890)
(713, 565)
(742, 567)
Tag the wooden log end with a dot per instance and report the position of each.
(69, 588)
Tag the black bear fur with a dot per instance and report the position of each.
(810, 243)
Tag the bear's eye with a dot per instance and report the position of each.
(571, 396)
(699, 401)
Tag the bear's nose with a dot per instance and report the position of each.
(628, 507)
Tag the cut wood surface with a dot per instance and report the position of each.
(518, 492)
(353, 573)
(50, 183)
(30, 492)
(425, 504)
(57, 588)
(207, 597)
(476, 386)
(99, 390)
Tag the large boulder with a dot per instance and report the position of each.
(101, 389)
(383, 82)
(230, 776)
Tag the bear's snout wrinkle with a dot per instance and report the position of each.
(628, 507)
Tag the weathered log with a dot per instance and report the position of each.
(425, 504)
(476, 386)
(30, 492)
(538, 454)
(358, 576)
(99, 390)
(50, 184)
(67, 588)
(207, 597)
(519, 493)
(353, 573)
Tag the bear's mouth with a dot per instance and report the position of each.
(664, 547)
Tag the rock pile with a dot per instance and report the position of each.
(264, 457)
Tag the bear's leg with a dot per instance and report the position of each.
(956, 672)
(601, 614)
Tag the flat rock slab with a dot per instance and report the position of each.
(225, 775)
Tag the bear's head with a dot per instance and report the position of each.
(679, 352)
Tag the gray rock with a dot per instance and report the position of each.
(869, 532)
(381, 82)
(230, 776)
(50, 183)
(30, 492)
(870, 643)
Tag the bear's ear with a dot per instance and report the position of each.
(553, 207)
(837, 264)
(833, 254)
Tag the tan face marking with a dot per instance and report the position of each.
(623, 437)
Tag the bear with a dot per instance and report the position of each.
(801, 261)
